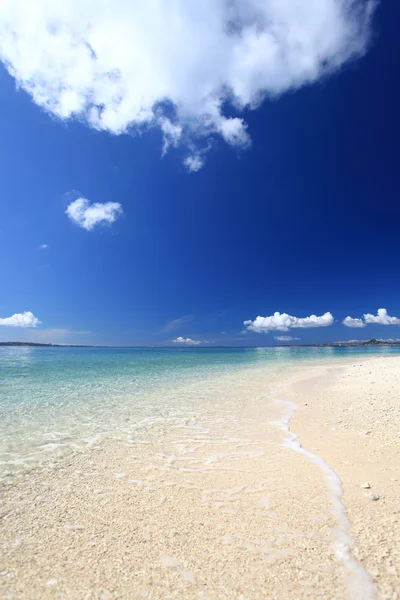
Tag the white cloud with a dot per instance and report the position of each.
(286, 338)
(284, 322)
(381, 318)
(175, 65)
(43, 246)
(186, 341)
(88, 215)
(350, 322)
(194, 162)
(26, 319)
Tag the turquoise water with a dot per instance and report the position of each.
(59, 400)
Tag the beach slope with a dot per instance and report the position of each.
(350, 417)
(224, 503)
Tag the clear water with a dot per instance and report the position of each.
(59, 400)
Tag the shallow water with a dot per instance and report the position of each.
(54, 401)
(178, 477)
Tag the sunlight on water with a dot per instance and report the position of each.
(59, 400)
(181, 458)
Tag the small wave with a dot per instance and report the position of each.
(359, 581)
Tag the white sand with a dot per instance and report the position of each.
(351, 418)
(217, 507)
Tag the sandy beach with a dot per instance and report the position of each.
(225, 504)
(351, 418)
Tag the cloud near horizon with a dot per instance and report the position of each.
(284, 322)
(286, 338)
(175, 66)
(356, 323)
(25, 319)
(88, 216)
(187, 341)
(381, 318)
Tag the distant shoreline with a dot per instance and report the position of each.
(369, 344)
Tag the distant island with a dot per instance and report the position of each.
(357, 343)
(354, 343)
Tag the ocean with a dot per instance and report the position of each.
(175, 473)
(57, 401)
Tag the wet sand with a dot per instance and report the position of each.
(222, 504)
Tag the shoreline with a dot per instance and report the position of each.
(358, 579)
(218, 507)
(350, 417)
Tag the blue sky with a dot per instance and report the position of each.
(303, 220)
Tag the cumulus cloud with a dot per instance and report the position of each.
(381, 318)
(175, 65)
(285, 338)
(284, 322)
(88, 215)
(186, 341)
(26, 319)
(350, 322)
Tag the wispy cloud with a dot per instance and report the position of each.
(284, 322)
(175, 324)
(43, 246)
(175, 66)
(194, 162)
(25, 319)
(55, 335)
(381, 318)
(60, 334)
(286, 338)
(88, 216)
